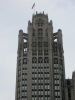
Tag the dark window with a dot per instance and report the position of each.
(34, 60)
(68, 82)
(55, 60)
(25, 61)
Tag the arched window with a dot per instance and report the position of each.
(34, 60)
(46, 60)
(25, 61)
(40, 60)
(55, 60)
(40, 32)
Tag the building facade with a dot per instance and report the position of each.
(40, 69)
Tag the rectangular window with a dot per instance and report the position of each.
(57, 81)
(22, 82)
(56, 87)
(56, 98)
(39, 64)
(48, 92)
(35, 81)
(45, 98)
(39, 75)
(55, 93)
(33, 65)
(55, 71)
(48, 87)
(45, 86)
(35, 92)
(32, 98)
(35, 75)
(45, 92)
(45, 64)
(39, 92)
(32, 92)
(32, 87)
(32, 70)
(35, 86)
(47, 75)
(36, 97)
(41, 86)
(58, 93)
(55, 76)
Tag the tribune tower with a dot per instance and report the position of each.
(40, 61)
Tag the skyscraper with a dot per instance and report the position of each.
(40, 63)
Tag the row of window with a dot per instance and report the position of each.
(57, 66)
(40, 60)
(41, 87)
(41, 98)
(40, 64)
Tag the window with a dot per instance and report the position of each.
(40, 32)
(33, 65)
(48, 98)
(39, 75)
(35, 81)
(46, 60)
(45, 86)
(32, 81)
(57, 81)
(34, 60)
(35, 75)
(25, 61)
(56, 87)
(32, 87)
(56, 98)
(45, 98)
(48, 92)
(32, 92)
(57, 71)
(39, 64)
(39, 92)
(58, 93)
(55, 76)
(47, 75)
(25, 87)
(23, 76)
(45, 92)
(22, 87)
(35, 86)
(40, 60)
(32, 70)
(55, 60)
(32, 98)
(48, 87)
(35, 98)
(41, 86)
(55, 93)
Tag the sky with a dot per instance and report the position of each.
(14, 15)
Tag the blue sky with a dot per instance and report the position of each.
(14, 15)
